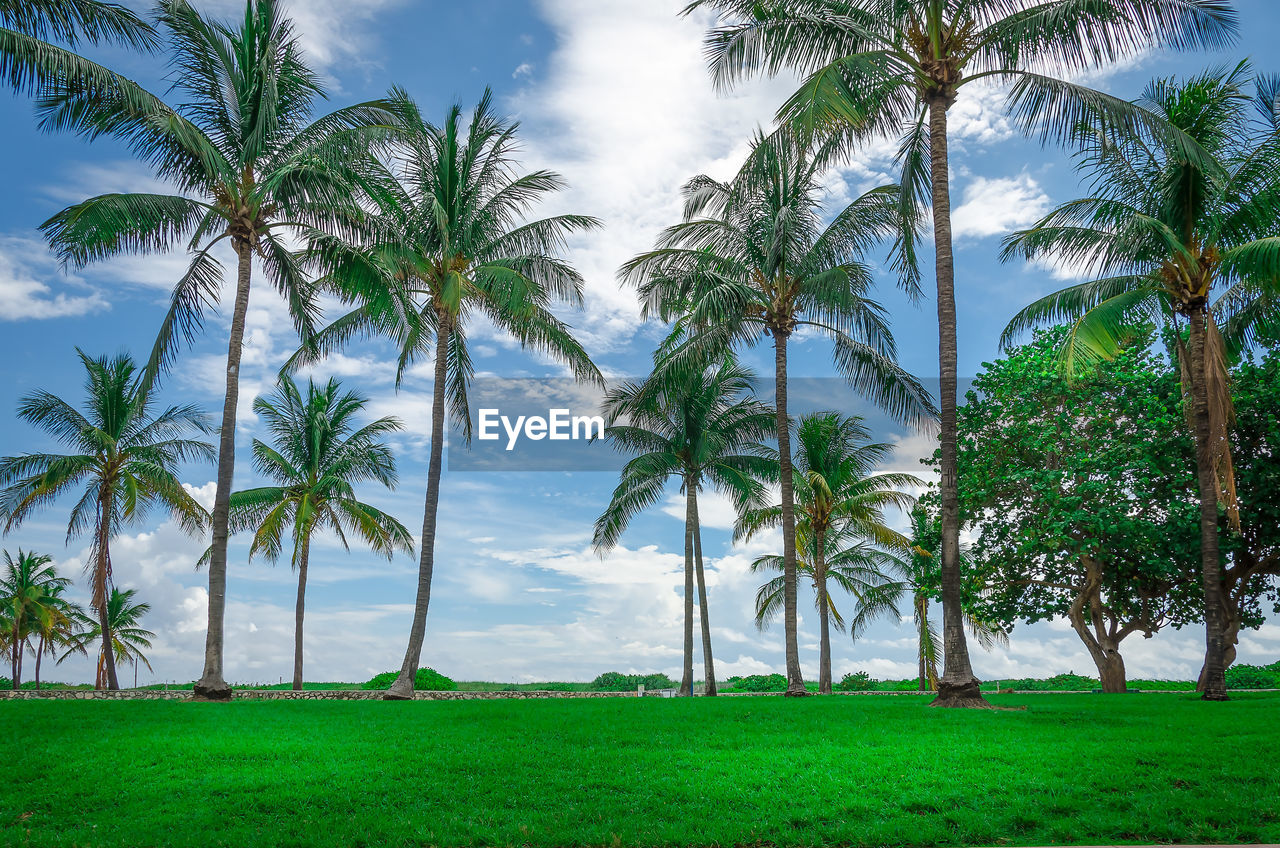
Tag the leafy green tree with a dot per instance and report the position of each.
(317, 458)
(702, 430)
(31, 30)
(840, 502)
(1184, 241)
(450, 244)
(251, 167)
(754, 259)
(895, 68)
(125, 463)
(128, 636)
(29, 593)
(1077, 490)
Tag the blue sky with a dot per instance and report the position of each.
(615, 97)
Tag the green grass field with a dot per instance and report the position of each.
(823, 771)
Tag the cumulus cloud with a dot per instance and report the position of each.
(999, 205)
(33, 286)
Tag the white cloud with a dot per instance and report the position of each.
(524, 69)
(994, 206)
(33, 286)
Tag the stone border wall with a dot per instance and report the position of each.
(290, 695)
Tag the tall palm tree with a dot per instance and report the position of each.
(125, 464)
(702, 430)
(840, 503)
(29, 591)
(128, 636)
(30, 33)
(450, 243)
(1188, 243)
(55, 623)
(752, 259)
(317, 458)
(895, 68)
(251, 167)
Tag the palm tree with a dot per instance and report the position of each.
(841, 505)
(28, 59)
(128, 637)
(55, 622)
(29, 591)
(450, 244)
(317, 459)
(895, 68)
(125, 464)
(703, 430)
(753, 259)
(251, 166)
(1163, 236)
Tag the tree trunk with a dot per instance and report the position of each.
(708, 661)
(211, 685)
(1101, 642)
(922, 624)
(924, 675)
(1215, 682)
(13, 659)
(824, 612)
(102, 589)
(39, 656)
(795, 679)
(686, 680)
(958, 687)
(402, 688)
(304, 551)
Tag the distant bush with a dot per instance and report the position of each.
(759, 683)
(858, 681)
(1253, 676)
(426, 679)
(1058, 683)
(6, 683)
(616, 681)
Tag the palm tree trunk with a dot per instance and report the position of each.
(708, 661)
(402, 688)
(211, 685)
(922, 634)
(958, 687)
(686, 680)
(39, 656)
(13, 659)
(102, 588)
(795, 680)
(824, 613)
(304, 550)
(1214, 676)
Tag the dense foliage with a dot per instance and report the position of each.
(427, 679)
(614, 681)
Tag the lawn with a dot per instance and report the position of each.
(861, 770)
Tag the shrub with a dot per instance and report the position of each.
(616, 681)
(858, 681)
(759, 683)
(1252, 676)
(6, 683)
(427, 679)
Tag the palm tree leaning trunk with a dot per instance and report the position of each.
(790, 623)
(1213, 676)
(102, 585)
(708, 660)
(690, 517)
(300, 609)
(958, 685)
(824, 610)
(402, 688)
(211, 683)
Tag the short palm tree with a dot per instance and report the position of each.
(251, 166)
(125, 465)
(840, 503)
(31, 35)
(30, 592)
(128, 636)
(55, 624)
(753, 259)
(895, 68)
(703, 430)
(451, 244)
(317, 458)
(1187, 243)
